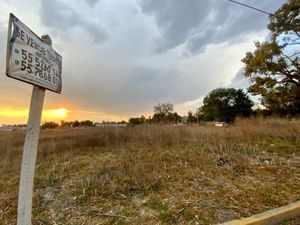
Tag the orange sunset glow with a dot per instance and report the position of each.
(9, 114)
(60, 113)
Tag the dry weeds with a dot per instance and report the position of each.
(155, 174)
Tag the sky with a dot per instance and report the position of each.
(120, 58)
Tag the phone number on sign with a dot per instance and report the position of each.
(39, 67)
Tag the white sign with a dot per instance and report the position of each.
(31, 60)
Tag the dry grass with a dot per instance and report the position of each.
(155, 174)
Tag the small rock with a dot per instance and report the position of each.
(222, 162)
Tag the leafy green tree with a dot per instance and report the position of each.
(283, 100)
(224, 104)
(274, 67)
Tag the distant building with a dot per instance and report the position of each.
(221, 124)
(108, 124)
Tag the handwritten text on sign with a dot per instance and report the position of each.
(31, 60)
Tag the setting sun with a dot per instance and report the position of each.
(60, 113)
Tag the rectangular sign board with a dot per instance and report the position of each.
(31, 60)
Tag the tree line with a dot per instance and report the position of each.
(221, 104)
(76, 124)
(64, 124)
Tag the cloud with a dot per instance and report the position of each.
(109, 65)
(183, 108)
(128, 89)
(196, 24)
(239, 80)
(63, 18)
(125, 90)
(176, 19)
(92, 2)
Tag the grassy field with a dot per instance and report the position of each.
(155, 174)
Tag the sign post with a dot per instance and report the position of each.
(32, 60)
(29, 156)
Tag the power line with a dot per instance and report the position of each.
(251, 7)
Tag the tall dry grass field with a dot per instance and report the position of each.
(155, 174)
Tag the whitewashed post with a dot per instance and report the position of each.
(30, 151)
(29, 156)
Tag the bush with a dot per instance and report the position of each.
(50, 125)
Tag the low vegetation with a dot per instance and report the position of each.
(155, 174)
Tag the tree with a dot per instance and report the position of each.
(161, 112)
(191, 118)
(87, 123)
(76, 123)
(63, 123)
(173, 117)
(274, 67)
(137, 120)
(50, 125)
(224, 104)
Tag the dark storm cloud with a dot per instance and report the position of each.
(176, 19)
(61, 17)
(199, 23)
